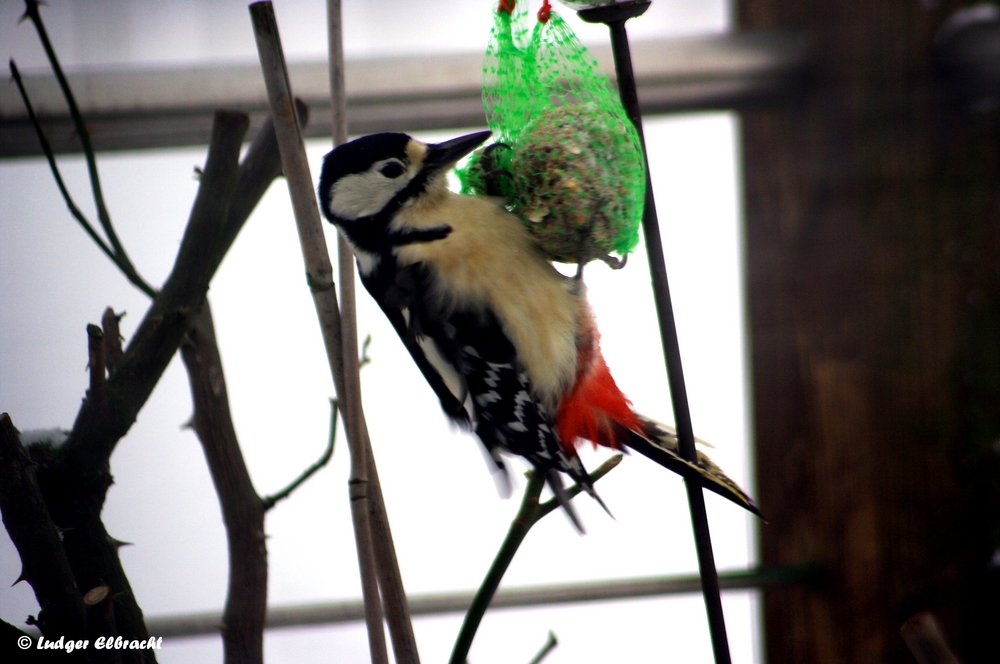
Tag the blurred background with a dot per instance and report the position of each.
(826, 179)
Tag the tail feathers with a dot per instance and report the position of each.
(576, 471)
(659, 442)
(555, 483)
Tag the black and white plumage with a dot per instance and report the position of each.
(507, 343)
(466, 290)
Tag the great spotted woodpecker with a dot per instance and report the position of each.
(508, 344)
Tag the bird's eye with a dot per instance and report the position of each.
(392, 170)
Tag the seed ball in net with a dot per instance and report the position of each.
(566, 184)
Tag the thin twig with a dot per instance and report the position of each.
(51, 157)
(527, 515)
(365, 360)
(549, 646)
(319, 272)
(122, 259)
(269, 501)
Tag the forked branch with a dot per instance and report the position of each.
(528, 515)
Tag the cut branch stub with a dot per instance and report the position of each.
(95, 351)
(111, 325)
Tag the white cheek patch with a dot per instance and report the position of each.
(363, 194)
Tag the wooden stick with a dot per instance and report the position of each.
(397, 610)
(319, 272)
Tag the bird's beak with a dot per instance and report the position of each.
(441, 156)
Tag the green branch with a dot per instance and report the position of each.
(269, 501)
(528, 515)
(546, 649)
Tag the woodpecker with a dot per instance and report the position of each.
(508, 344)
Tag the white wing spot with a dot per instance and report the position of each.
(452, 379)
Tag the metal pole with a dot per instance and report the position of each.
(614, 16)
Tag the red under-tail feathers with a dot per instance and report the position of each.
(594, 409)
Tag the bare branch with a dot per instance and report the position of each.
(546, 649)
(98, 428)
(51, 157)
(528, 515)
(120, 257)
(242, 509)
(76, 480)
(270, 501)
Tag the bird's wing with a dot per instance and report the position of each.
(473, 368)
(509, 415)
(402, 303)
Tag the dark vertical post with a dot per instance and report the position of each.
(873, 262)
(614, 16)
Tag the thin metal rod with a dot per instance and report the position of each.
(614, 18)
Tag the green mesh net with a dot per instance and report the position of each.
(566, 157)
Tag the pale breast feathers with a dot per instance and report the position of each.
(490, 258)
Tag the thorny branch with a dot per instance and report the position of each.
(37, 539)
(242, 509)
(77, 474)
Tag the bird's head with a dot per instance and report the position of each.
(371, 178)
